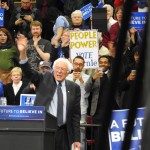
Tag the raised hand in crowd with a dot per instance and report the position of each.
(78, 75)
(36, 40)
(4, 5)
(21, 42)
(19, 21)
(97, 74)
(132, 75)
(28, 18)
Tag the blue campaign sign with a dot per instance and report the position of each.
(117, 129)
(138, 20)
(27, 99)
(22, 112)
(1, 17)
(87, 9)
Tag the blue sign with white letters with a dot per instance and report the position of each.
(87, 9)
(138, 20)
(117, 129)
(22, 112)
(1, 17)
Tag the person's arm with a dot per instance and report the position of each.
(90, 82)
(21, 42)
(44, 55)
(57, 37)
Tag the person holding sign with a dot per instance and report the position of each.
(8, 6)
(77, 21)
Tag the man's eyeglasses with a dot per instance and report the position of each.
(60, 69)
(25, 3)
(80, 64)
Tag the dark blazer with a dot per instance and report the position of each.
(45, 93)
(12, 99)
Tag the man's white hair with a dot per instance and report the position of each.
(69, 65)
(77, 12)
(110, 8)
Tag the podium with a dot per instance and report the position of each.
(27, 134)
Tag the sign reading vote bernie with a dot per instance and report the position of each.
(85, 44)
(118, 126)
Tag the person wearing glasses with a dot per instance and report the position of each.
(21, 18)
(79, 77)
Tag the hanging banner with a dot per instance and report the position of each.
(117, 129)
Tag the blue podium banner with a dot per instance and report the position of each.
(138, 20)
(22, 112)
(117, 129)
(1, 17)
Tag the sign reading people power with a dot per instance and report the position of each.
(85, 44)
(117, 129)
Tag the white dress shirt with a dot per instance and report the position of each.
(53, 105)
(16, 87)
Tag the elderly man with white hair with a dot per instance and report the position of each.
(112, 30)
(60, 97)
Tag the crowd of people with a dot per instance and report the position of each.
(35, 59)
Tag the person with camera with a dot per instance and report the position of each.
(21, 18)
(97, 85)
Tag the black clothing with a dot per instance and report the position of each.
(23, 28)
(12, 99)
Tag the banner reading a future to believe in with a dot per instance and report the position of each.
(117, 129)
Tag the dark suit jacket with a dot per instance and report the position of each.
(44, 95)
(12, 99)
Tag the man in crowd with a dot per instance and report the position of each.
(80, 78)
(60, 97)
(38, 49)
(97, 85)
(21, 18)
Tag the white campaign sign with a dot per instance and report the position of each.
(85, 44)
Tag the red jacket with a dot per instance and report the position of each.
(121, 2)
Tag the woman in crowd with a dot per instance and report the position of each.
(8, 55)
(63, 49)
(13, 90)
(77, 21)
(60, 24)
(111, 34)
